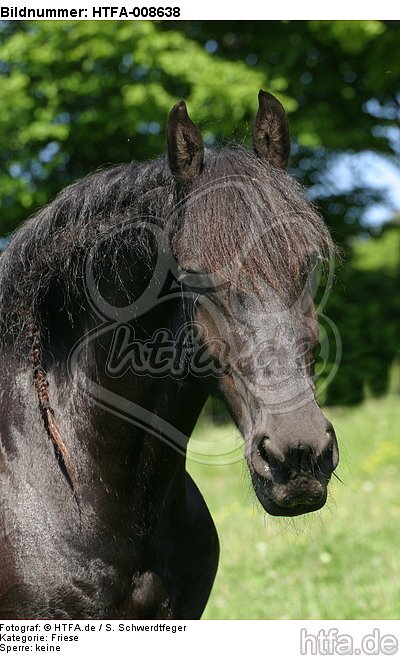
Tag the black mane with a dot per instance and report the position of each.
(237, 195)
(52, 244)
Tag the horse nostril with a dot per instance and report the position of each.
(262, 449)
(330, 455)
(268, 450)
(274, 462)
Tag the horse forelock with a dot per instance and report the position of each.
(244, 214)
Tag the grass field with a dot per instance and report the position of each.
(343, 562)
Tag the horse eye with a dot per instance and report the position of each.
(200, 281)
(190, 277)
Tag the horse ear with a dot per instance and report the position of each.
(185, 144)
(271, 138)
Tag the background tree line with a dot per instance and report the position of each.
(77, 95)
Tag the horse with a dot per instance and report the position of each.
(137, 293)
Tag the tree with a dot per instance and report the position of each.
(76, 95)
(343, 82)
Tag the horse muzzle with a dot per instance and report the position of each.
(293, 481)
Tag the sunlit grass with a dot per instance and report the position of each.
(343, 562)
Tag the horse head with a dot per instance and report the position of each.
(246, 245)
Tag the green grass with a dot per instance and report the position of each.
(343, 562)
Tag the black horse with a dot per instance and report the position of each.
(137, 293)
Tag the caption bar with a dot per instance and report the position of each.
(97, 12)
(295, 637)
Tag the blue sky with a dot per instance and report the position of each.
(382, 174)
(370, 171)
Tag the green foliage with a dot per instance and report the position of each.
(76, 95)
(329, 68)
(365, 306)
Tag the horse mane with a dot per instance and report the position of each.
(237, 195)
(49, 248)
(51, 245)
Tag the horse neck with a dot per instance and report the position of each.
(131, 430)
